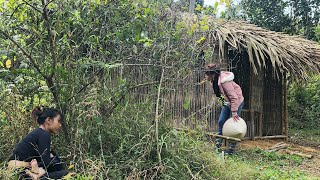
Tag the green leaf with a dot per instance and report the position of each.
(227, 3)
(98, 120)
(147, 44)
(186, 104)
(204, 28)
(8, 63)
(216, 5)
(201, 39)
(146, 10)
(198, 8)
(43, 82)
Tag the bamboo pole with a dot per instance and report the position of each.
(209, 134)
(286, 122)
(298, 154)
(260, 124)
(252, 124)
(157, 116)
(250, 104)
(224, 137)
(272, 137)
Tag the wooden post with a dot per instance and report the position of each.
(286, 122)
(252, 124)
(260, 124)
(251, 110)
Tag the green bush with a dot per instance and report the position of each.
(304, 104)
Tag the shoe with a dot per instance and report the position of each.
(218, 145)
(229, 151)
(217, 150)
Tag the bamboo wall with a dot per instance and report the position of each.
(273, 105)
(187, 104)
(183, 101)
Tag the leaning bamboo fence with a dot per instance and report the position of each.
(184, 102)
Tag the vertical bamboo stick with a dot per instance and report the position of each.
(260, 124)
(286, 123)
(250, 103)
(158, 116)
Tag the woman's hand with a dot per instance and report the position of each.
(235, 116)
(35, 176)
(211, 66)
(36, 172)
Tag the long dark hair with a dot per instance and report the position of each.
(215, 86)
(41, 113)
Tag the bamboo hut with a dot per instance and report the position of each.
(261, 60)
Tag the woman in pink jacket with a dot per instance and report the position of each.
(223, 85)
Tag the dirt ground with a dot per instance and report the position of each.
(310, 166)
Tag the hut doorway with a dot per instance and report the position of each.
(263, 93)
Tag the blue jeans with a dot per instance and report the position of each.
(225, 115)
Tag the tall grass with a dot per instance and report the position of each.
(123, 145)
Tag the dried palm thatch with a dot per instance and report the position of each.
(292, 54)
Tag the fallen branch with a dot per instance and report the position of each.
(272, 137)
(224, 137)
(298, 154)
(278, 146)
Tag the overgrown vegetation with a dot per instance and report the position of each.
(272, 165)
(64, 53)
(123, 146)
(304, 104)
(304, 114)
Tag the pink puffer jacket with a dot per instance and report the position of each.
(230, 90)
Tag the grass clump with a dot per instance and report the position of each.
(123, 146)
(272, 165)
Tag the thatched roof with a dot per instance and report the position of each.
(293, 54)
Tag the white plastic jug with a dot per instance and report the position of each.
(235, 129)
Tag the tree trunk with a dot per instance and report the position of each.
(54, 92)
(191, 6)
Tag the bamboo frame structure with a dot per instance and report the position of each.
(188, 104)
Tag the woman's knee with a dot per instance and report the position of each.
(58, 174)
